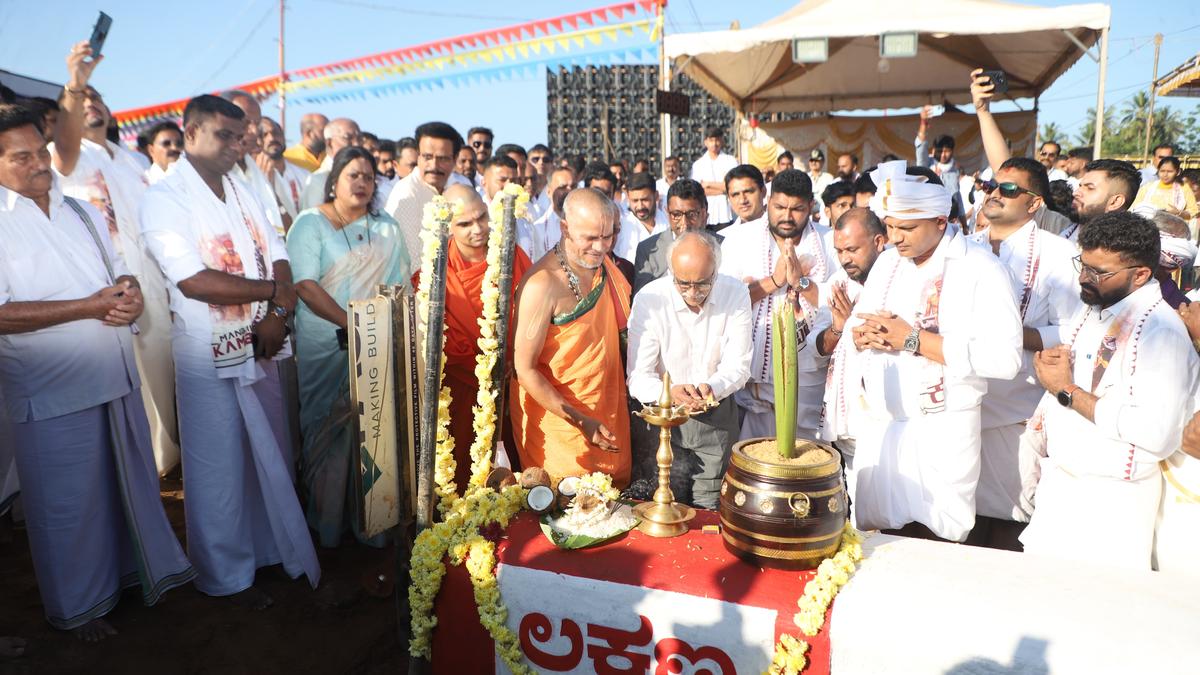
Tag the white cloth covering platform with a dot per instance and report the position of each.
(920, 606)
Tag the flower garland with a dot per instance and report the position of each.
(436, 217)
(833, 573)
(489, 357)
(458, 535)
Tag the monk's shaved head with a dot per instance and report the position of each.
(588, 230)
(469, 226)
(464, 195)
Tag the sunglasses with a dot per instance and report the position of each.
(481, 144)
(1007, 190)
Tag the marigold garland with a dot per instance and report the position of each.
(489, 357)
(458, 534)
(833, 573)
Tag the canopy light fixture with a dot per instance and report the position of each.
(898, 45)
(810, 50)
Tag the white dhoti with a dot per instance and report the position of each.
(242, 510)
(152, 349)
(94, 512)
(1080, 518)
(924, 469)
(757, 402)
(1000, 479)
(1177, 535)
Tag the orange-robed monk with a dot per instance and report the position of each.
(466, 264)
(568, 402)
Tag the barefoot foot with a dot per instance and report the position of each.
(252, 598)
(95, 630)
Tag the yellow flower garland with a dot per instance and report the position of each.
(489, 357)
(833, 573)
(458, 533)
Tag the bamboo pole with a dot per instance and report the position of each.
(508, 252)
(664, 83)
(282, 75)
(1099, 136)
(434, 329)
(1158, 38)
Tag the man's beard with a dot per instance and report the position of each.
(1090, 295)
(318, 147)
(1085, 213)
(842, 175)
(274, 151)
(794, 234)
(858, 275)
(644, 215)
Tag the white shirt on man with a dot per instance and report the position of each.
(1176, 546)
(406, 203)
(1044, 280)
(662, 186)
(634, 232)
(1100, 481)
(749, 251)
(918, 450)
(71, 366)
(710, 347)
(709, 169)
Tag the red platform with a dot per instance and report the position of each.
(694, 564)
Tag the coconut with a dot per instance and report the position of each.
(539, 499)
(534, 475)
(567, 488)
(500, 478)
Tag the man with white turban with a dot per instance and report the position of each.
(937, 317)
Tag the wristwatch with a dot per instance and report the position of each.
(913, 342)
(1065, 396)
(804, 283)
(279, 311)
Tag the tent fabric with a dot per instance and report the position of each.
(752, 69)
(1183, 81)
(870, 138)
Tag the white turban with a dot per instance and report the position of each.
(1176, 252)
(906, 197)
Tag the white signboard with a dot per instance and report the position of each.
(569, 624)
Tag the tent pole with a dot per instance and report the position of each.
(282, 75)
(1098, 152)
(1153, 90)
(664, 83)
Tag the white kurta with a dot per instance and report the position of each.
(919, 466)
(242, 511)
(749, 251)
(708, 169)
(1100, 486)
(1046, 287)
(115, 185)
(843, 405)
(289, 187)
(263, 190)
(89, 487)
(634, 232)
(406, 204)
(314, 186)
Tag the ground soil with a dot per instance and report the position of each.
(765, 451)
(188, 632)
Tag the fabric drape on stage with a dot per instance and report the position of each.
(870, 138)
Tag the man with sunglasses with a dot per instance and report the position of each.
(1044, 282)
(936, 319)
(779, 258)
(695, 325)
(1048, 155)
(1118, 391)
(687, 209)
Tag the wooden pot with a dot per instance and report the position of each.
(779, 515)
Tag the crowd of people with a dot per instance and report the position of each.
(996, 364)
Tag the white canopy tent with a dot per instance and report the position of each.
(752, 70)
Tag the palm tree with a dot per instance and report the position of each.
(1051, 132)
(1088, 134)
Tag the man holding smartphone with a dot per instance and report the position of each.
(95, 170)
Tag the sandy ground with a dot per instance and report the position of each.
(188, 632)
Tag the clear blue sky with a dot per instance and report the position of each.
(170, 49)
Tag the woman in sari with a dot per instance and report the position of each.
(1169, 194)
(340, 251)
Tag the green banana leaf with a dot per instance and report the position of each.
(568, 541)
